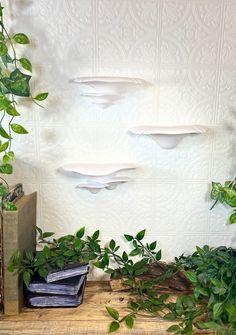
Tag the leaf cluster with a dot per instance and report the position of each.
(225, 194)
(55, 254)
(15, 76)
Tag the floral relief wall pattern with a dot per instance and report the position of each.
(187, 49)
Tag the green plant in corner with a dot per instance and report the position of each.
(225, 194)
(15, 76)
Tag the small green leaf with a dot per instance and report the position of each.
(47, 234)
(232, 218)
(125, 256)
(211, 325)
(128, 237)
(191, 276)
(4, 134)
(11, 155)
(1, 36)
(80, 232)
(95, 235)
(140, 235)
(173, 329)
(170, 317)
(25, 63)
(41, 96)
(12, 111)
(21, 38)
(218, 309)
(153, 245)
(3, 49)
(4, 146)
(114, 326)
(26, 278)
(158, 255)
(113, 313)
(135, 252)
(6, 159)
(129, 321)
(6, 169)
(9, 206)
(112, 245)
(17, 128)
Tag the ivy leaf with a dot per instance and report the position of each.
(3, 49)
(114, 326)
(4, 134)
(21, 38)
(26, 64)
(12, 111)
(113, 313)
(140, 235)
(4, 102)
(6, 159)
(129, 321)
(41, 96)
(17, 128)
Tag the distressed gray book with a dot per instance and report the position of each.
(56, 300)
(69, 286)
(55, 275)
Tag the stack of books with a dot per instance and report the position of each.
(63, 288)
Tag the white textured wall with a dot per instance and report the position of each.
(187, 48)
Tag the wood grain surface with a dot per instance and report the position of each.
(89, 318)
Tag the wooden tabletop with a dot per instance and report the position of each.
(89, 318)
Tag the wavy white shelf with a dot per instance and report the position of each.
(168, 136)
(105, 91)
(95, 177)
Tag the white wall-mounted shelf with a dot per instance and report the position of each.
(105, 91)
(169, 136)
(95, 177)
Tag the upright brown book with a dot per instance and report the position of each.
(18, 234)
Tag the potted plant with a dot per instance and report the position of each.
(55, 276)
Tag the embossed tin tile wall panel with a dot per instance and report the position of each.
(187, 49)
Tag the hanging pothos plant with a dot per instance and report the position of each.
(225, 194)
(15, 76)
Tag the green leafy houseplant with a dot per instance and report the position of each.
(15, 76)
(212, 271)
(225, 194)
(56, 253)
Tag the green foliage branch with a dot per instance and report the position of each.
(225, 194)
(15, 76)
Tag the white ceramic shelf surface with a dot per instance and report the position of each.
(169, 136)
(105, 91)
(94, 177)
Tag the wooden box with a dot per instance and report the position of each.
(19, 233)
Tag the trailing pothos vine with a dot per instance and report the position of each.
(15, 76)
